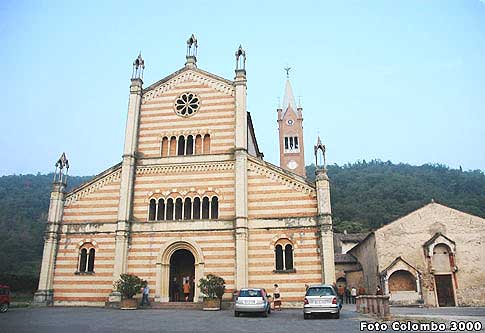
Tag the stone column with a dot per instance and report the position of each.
(45, 294)
(128, 170)
(324, 223)
(241, 181)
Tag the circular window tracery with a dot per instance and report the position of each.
(187, 104)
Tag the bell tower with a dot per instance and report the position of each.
(290, 127)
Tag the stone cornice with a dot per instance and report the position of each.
(193, 167)
(184, 75)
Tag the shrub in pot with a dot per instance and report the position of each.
(213, 287)
(128, 286)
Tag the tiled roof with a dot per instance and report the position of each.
(344, 258)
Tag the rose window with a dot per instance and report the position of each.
(187, 104)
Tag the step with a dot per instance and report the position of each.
(176, 305)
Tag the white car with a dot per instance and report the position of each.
(252, 300)
(321, 299)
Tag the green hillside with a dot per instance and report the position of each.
(365, 195)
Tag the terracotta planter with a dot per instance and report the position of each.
(129, 304)
(211, 304)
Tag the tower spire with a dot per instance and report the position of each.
(288, 98)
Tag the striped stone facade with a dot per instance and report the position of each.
(168, 159)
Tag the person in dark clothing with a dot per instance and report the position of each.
(347, 295)
(175, 290)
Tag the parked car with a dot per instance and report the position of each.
(4, 298)
(252, 300)
(321, 300)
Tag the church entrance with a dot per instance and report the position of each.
(182, 269)
(444, 290)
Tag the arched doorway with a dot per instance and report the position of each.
(182, 269)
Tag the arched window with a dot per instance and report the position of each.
(196, 208)
(152, 210)
(187, 209)
(161, 210)
(190, 145)
(198, 144)
(288, 256)
(170, 209)
(284, 255)
(173, 146)
(279, 257)
(181, 146)
(207, 144)
(83, 257)
(164, 148)
(178, 209)
(91, 260)
(87, 255)
(214, 208)
(205, 208)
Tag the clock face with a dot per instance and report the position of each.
(292, 165)
(290, 122)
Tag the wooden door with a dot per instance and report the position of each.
(444, 290)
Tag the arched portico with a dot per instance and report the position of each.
(163, 266)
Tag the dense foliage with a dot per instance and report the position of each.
(24, 202)
(365, 195)
(129, 285)
(212, 286)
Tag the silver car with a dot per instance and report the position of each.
(252, 300)
(321, 299)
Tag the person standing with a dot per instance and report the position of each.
(347, 295)
(146, 292)
(186, 288)
(353, 294)
(277, 297)
(175, 290)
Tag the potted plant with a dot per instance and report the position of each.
(213, 287)
(128, 286)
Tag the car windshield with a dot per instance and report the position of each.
(320, 291)
(250, 293)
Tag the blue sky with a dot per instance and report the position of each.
(395, 80)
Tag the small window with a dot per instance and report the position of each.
(190, 145)
(83, 260)
(161, 210)
(279, 257)
(170, 209)
(196, 208)
(181, 146)
(152, 210)
(92, 253)
(187, 209)
(87, 256)
(215, 208)
(295, 139)
(205, 208)
(178, 209)
(286, 143)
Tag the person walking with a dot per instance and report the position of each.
(347, 295)
(277, 297)
(146, 292)
(353, 294)
(186, 288)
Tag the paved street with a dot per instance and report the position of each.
(109, 320)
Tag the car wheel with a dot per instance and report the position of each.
(306, 316)
(3, 307)
(236, 313)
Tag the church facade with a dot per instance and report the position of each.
(192, 196)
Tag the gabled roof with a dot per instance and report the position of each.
(183, 69)
(395, 261)
(351, 238)
(344, 258)
(437, 235)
